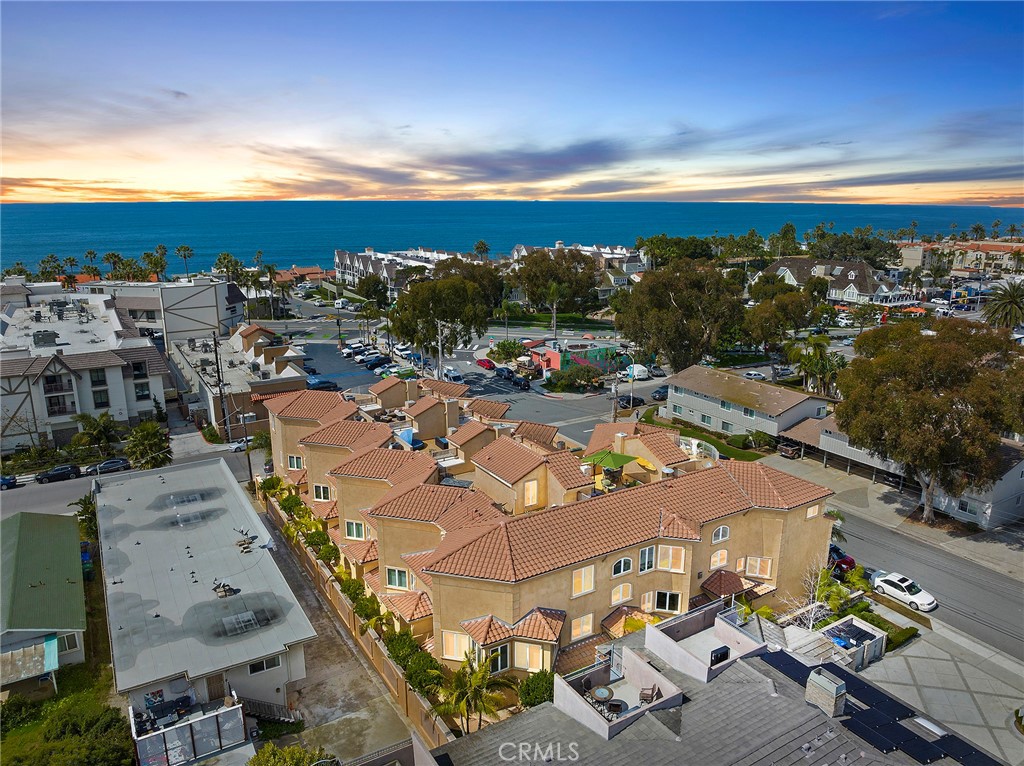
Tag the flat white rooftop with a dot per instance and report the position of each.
(81, 325)
(169, 541)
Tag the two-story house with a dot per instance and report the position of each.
(293, 416)
(850, 282)
(724, 402)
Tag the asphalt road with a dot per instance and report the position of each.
(54, 497)
(972, 598)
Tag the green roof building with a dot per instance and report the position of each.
(42, 613)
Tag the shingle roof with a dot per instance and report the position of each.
(42, 573)
(445, 388)
(808, 430)
(467, 431)
(93, 359)
(518, 548)
(540, 624)
(488, 408)
(567, 470)
(412, 606)
(507, 459)
(155, 363)
(763, 397)
(542, 433)
(723, 582)
(353, 434)
(326, 406)
(422, 405)
(27, 366)
(487, 630)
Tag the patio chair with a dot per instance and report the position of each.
(647, 695)
(587, 684)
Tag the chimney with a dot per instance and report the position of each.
(826, 692)
(59, 352)
(619, 443)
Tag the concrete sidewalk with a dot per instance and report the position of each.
(1001, 550)
(963, 685)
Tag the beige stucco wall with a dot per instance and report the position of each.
(397, 396)
(320, 459)
(284, 439)
(397, 537)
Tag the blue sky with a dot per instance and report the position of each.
(832, 102)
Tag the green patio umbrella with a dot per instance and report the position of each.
(608, 459)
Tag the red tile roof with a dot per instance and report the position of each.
(518, 548)
(393, 466)
(326, 406)
(322, 509)
(358, 551)
(372, 580)
(415, 562)
(487, 630)
(467, 431)
(412, 606)
(488, 408)
(579, 655)
(297, 476)
(422, 405)
(540, 624)
(354, 434)
(664, 446)
(542, 433)
(253, 329)
(567, 470)
(615, 623)
(723, 582)
(423, 503)
(384, 385)
(444, 388)
(604, 433)
(507, 459)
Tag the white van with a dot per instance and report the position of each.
(634, 371)
(341, 304)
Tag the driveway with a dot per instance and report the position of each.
(345, 706)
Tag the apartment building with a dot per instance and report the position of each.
(236, 376)
(202, 623)
(727, 403)
(850, 282)
(185, 308)
(351, 266)
(60, 358)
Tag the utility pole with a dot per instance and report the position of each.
(220, 384)
(437, 369)
(243, 416)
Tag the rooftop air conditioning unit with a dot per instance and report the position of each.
(191, 344)
(255, 367)
(231, 362)
(265, 375)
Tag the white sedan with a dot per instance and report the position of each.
(754, 375)
(903, 589)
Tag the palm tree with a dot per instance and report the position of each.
(160, 261)
(270, 272)
(1013, 230)
(484, 693)
(805, 353)
(481, 248)
(70, 264)
(90, 256)
(505, 312)
(557, 292)
(912, 231)
(285, 288)
(113, 260)
(996, 225)
(99, 432)
(453, 696)
(148, 446)
(952, 228)
(1005, 306)
(978, 231)
(185, 253)
(86, 514)
(382, 624)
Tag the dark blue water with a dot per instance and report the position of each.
(308, 233)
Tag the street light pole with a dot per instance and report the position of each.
(337, 321)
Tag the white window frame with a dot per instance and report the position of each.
(531, 492)
(667, 558)
(812, 511)
(351, 527)
(719, 559)
(66, 640)
(295, 462)
(497, 653)
(759, 566)
(727, 406)
(400, 575)
(529, 656)
(647, 601)
(668, 594)
(741, 564)
(720, 536)
(622, 593)
(647, 559)
(727, 427)
(748, 412)
(268, 663)
(820, 412)
(623, 565)
(460, 644)
(582, 627)
(583, 581)
(706, 420)
(322, 492)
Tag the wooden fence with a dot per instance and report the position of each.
(418, 710)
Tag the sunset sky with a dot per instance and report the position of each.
(915, 102)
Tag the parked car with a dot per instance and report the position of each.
(486, 363)
(8, 482)
(656, 371)
(839, 559)
(320, 303)
(790, 451)
(940, 301)
(848, 341)
(526, 340)
(634, 371)
(352, 348)
(844, 320)
(505, 373)
(309, 369)
(320, 384)
(627, 402)
(378, 361)
(819, 331)
(366, 355)
(341, 304)
(402, 350)
(113, 465)
(963, 307)
(59, 473)
(241, 445)
(751, 304)
(660, 394)
(903, 589)
(754, 375)
(387, 369)
(784, 372)
(452, 375)
(518, 381)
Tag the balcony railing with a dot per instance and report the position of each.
(61, 409)
(58, 388)
(195, 737)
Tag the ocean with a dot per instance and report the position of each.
(308, 233)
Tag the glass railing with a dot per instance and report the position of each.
(193, 739)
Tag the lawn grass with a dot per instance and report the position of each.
(896, 606)
(736, 360)
(688, 430)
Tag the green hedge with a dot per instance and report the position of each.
(690, 430)
(352, 588)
